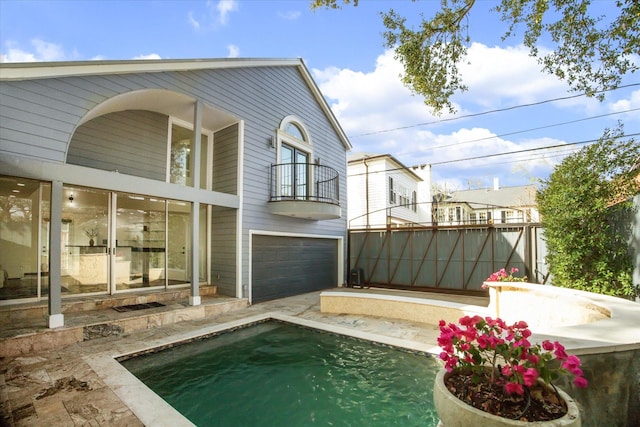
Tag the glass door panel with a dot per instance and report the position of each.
(179, 245)
(293, 173)
(84, 241)
(286, 176)
(45, 219)
(140, 226)
(20, 206)
(301, 174)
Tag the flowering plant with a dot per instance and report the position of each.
(502, 276)
(490, 349)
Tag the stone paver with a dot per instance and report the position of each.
(58, 388)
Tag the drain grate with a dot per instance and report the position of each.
(134, 307)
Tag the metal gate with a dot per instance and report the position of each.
(455, 258)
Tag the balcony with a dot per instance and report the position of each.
(304, 190)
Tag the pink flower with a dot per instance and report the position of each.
(522, 343)
(580, 382)
(477, 343)
(466, 321)
(520, 325)
(514, 270)
(451, 363)
(571, 363)
(559, 351)
(495, 342)
(514, 388)
(483, 341)
(470, 334)
(529, 377)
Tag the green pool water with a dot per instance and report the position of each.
(279, 374)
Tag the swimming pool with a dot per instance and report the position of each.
(279, 374)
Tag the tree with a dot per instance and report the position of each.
(591, 53)
(586, 210)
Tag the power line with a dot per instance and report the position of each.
(482, 113)
(486, 156)
(532, 129)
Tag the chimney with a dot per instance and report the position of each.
(496, 184)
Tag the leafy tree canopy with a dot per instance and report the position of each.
(590, 52)
(587, 211)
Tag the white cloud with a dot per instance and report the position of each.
(42, 51)
(223, 8)
(193, 21)
(148, 56)
(370, 102)
(217, 14)
(290, 15)
(380, 115)
(234, 51)
(624, 105)
(498, 74)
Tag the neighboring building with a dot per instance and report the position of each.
(103, 190)
(506, 205)
(383, 192)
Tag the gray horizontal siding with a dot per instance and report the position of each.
(260, 96)
(223, 250)
(131, 142)
(225, 160)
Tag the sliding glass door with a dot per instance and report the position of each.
(85, 240)
(140, 242)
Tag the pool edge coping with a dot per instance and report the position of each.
(151, 409)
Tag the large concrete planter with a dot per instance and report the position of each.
(455, 413)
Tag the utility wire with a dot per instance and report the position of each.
(482, 113)
(532, 129)
(486, 156)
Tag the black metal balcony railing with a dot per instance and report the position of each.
(304, 182)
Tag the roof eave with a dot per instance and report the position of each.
(43, 70)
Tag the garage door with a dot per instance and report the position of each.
(286, 266)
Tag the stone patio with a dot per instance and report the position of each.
(80, 384)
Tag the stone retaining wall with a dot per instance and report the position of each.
(603, 331)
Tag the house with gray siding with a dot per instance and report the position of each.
(120, 176)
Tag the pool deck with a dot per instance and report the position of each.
(80, 384)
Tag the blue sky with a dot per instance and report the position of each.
(359, 77)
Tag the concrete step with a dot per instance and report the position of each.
(27, 313)
(88, 325)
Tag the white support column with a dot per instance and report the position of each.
(195, 299)
(56, 318)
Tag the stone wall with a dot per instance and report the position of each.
(612, 398)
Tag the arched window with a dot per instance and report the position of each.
(294, 156)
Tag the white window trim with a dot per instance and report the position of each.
(187, 125)
(283, 137)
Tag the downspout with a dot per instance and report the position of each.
(366, 194)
